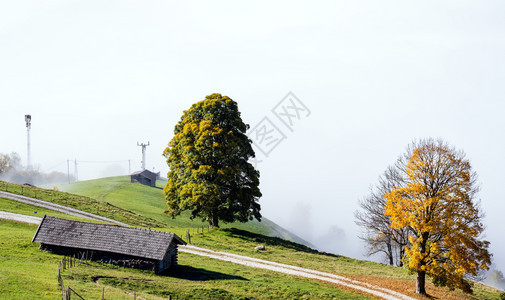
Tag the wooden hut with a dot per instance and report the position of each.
(124, 246)
(145, 177)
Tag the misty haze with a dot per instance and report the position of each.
(330, 94)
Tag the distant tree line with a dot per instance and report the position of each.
(11, 170)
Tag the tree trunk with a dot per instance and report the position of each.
(402, 254)
(421, 275)
(421, 283)
(390, 253)
(214, 220)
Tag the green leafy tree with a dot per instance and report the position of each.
(209, 170)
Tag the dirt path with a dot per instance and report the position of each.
(57, 207)
(263, 264)
(20, 218)
(297, 271)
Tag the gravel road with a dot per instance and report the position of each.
(20, 218)
(263, 264)
(57, 207)
(297, 271)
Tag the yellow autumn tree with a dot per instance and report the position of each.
(437, 203)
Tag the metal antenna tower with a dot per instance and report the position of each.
(28, 121)
(143, 154)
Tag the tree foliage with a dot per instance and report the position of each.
(209, 169)
(9, 162)
(436, 202)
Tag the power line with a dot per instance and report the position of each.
(103, 161)
(76, 162)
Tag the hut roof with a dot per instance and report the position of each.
(137, 242)
(145, 173)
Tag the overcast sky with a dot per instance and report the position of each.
(368, 77)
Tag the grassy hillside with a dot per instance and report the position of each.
(282, 251)
(28, 273)
(25, 272)
(150, 202)
(31, 210)
(83, 203)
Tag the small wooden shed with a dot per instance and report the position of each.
(124, 246)
(144, 177)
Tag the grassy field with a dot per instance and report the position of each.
(282, 251)
(28, 273)
(31, 274)
(202, 278)
(84, 203)
(25, 272)
(31, 210)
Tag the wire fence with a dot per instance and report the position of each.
(66, 263)
(197, 229)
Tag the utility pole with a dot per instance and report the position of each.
(68, 170)
(129, 167)
(143, 154)
(75, 171)
(28, 121)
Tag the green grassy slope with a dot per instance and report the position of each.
(150, 202)
(83, 203)
(28, 273)
(25, 272)
(31, 210)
